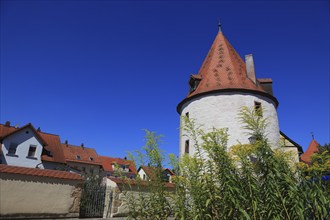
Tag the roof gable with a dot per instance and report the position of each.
(9, 131)
(312, 148)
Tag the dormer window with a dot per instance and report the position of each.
(194, 82)
(32, 151)
(12, 149)
(78, 157)
(91, 158)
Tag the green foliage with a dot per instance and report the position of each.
(149, 199)
(250, 181)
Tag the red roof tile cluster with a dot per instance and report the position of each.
(39, 172)
(223, 70)
(80, 154)
(107, 163)
(312, 148)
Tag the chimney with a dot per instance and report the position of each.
(7, 124)
(250, 72)
(39, 129)
(82, 146)
(66, 142)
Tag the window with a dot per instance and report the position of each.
(83, 169)
(12, 149)
(187, 114)
(32, 151)
(186, 147)
(144, 177)
(91, 158)
(78, 157)
(91, 170)
(258, 108)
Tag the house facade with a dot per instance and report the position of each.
(117, 167)
(81, 159)
(21, 146)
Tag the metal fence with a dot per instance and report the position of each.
(92, 201)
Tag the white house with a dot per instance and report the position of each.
(147, 173)
(21, 146)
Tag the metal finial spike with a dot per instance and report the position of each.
(312, 135)
(219, 25)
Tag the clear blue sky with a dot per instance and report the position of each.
(98, 72)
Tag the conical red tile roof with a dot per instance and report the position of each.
(223, 69)
(312, 148)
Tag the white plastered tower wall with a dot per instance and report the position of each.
(221, 110)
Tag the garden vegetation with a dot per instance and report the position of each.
(247, 181)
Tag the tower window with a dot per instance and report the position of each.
(258, 108)
(187, 114)
(78, 157)
(186, 147)
(32, 151)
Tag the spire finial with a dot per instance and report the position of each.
(219, 25)
(312, 133)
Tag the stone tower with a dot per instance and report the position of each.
(223, 85)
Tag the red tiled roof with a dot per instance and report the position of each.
(53, 146)
(108, 161)
(223, 69)
(312, 148)
(150, 171)
(134, 182)
(39, 172)
(71, 152)
(51, 142)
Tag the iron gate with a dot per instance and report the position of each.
(92, 201)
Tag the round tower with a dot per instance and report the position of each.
(223, 85)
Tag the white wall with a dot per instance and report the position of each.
(141, 173)
(221, 111)
(24, 139)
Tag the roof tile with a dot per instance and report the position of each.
(39, 172)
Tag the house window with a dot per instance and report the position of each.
(12, 149)
(186, 147)
(32, 151)
(258, 108)
(91, 158)
(187, 114)
(83, 169)
(78, 157)
(144, 177)
(91, 170)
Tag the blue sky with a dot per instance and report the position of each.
(99, 72)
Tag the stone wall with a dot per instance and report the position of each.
(27, 196)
